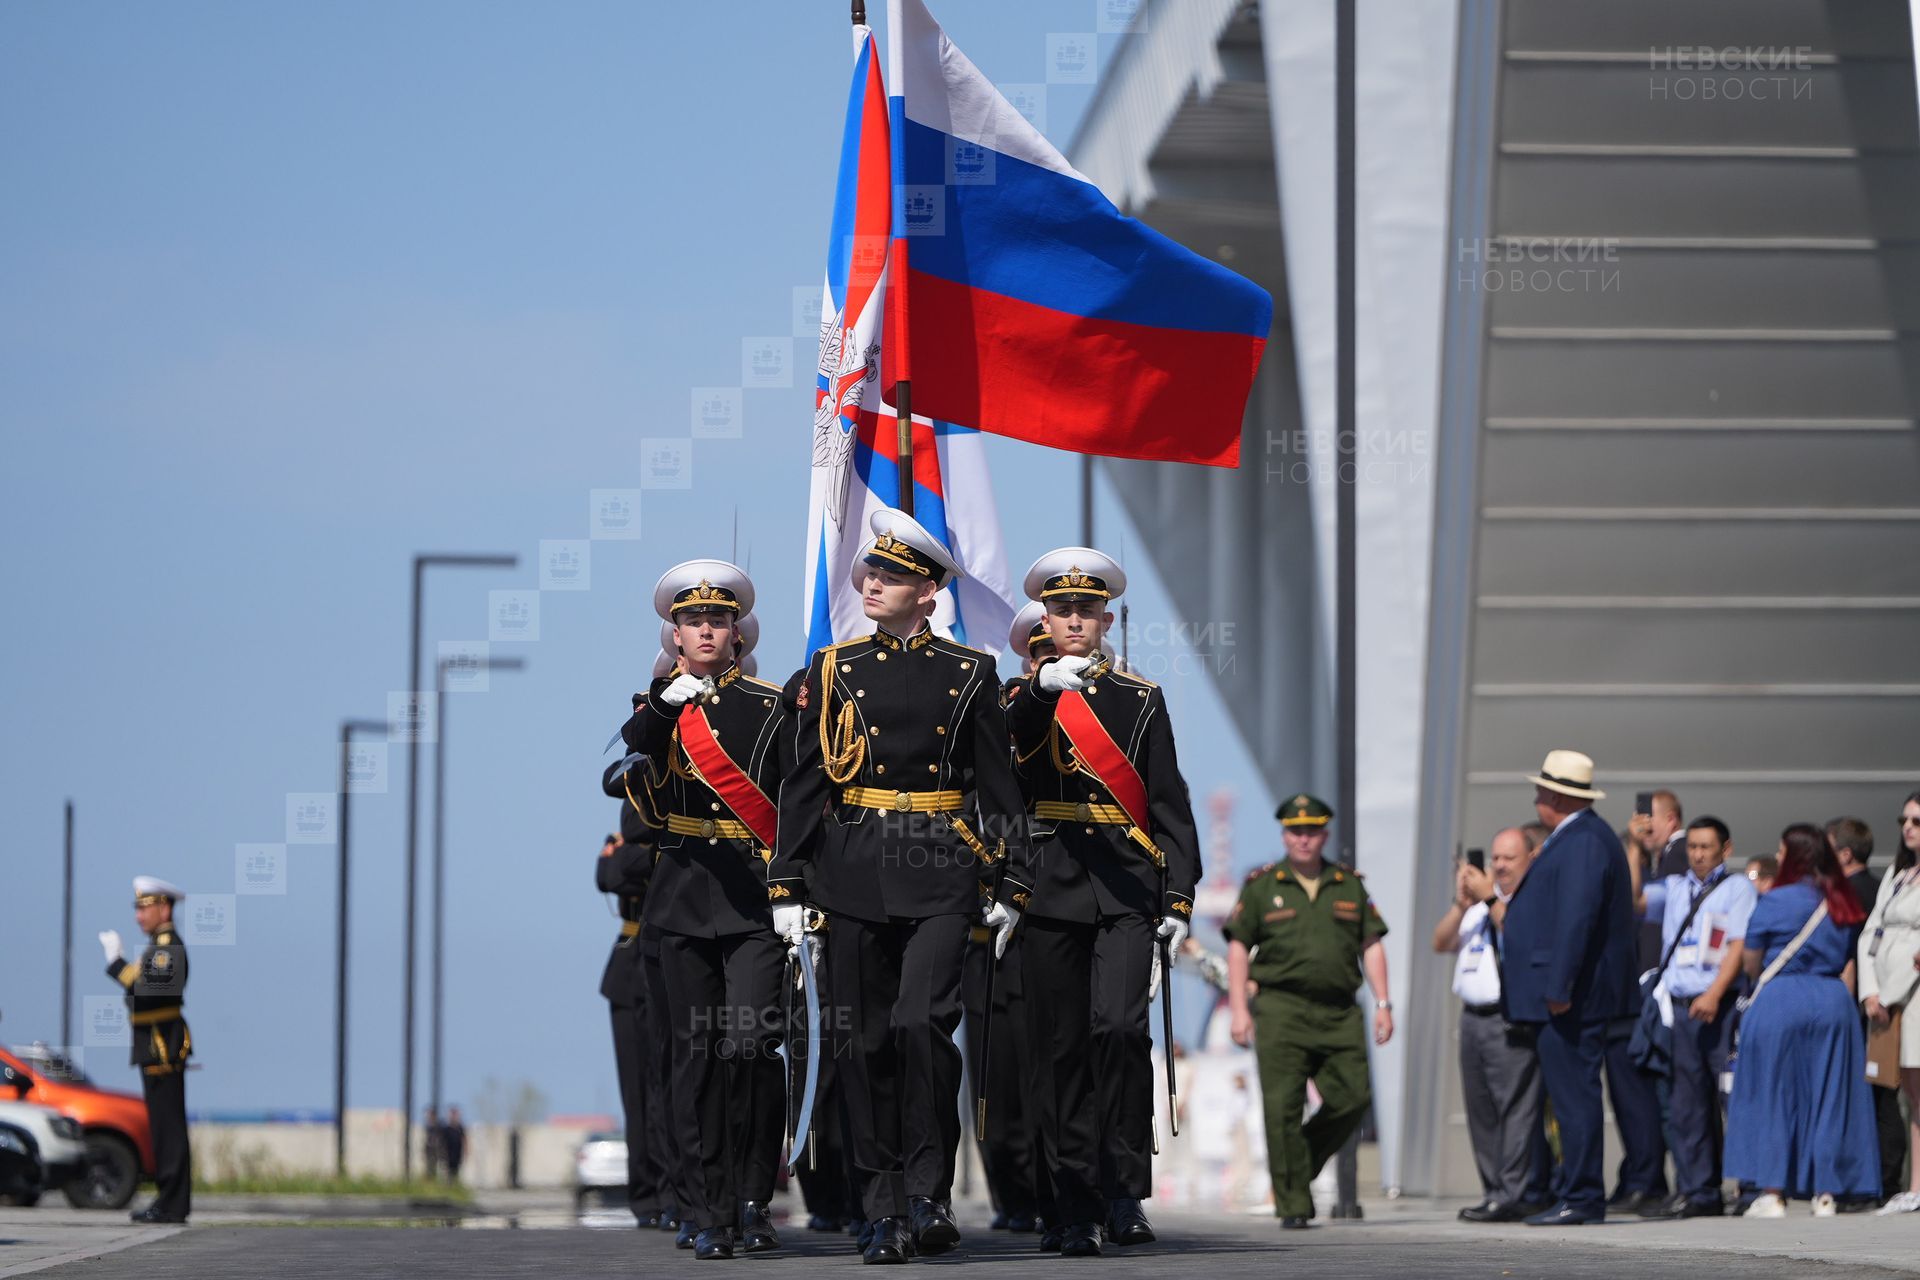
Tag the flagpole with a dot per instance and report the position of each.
(903, 396)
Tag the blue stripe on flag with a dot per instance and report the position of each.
(820, 622)
(846, 186)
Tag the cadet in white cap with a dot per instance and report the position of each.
(1113, 863)
(891, 822)
(156, 987)
(711, 737)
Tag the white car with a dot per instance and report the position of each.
(599, 1165)
(63, 1148)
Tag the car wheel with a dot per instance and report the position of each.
(112, 1176)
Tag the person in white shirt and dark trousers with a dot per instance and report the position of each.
(1499, 1072)
(1703, 915)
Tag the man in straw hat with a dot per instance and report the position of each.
(1567, 956)
(899, 811)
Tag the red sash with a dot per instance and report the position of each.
(729, 780)
(1101, 756)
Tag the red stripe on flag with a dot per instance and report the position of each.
(882, 435)
(1069, 382)
(873, 193)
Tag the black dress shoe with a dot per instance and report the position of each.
(1082, 1240)
(1682, 1207)
(756, 1227)
(713, 1242)
(648, 1222)
(999, 1222)
(152, 1216)
(1051, 1239)
(1127, 1222)
(1293, 1222)
(669, 1222)
(1491, 1211)
(1565, 1215)
(934, 1230)
(892, 1242)
(687, 1233)
(821, 1222)
(1527, 1208)
(1022, 1223)
(1634, 1201)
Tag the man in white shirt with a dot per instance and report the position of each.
(1499, 1072)
(1703, 915)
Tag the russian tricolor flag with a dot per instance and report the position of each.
(855, 430)
(1026, 304)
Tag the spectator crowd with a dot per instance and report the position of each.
(1746, 1019)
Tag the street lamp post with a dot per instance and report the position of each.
(348, 728)
(440, 860)
(421, 563)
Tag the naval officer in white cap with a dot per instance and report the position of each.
(156, 987)
(1113, 864)
(892, 821)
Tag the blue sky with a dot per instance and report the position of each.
(289, 293)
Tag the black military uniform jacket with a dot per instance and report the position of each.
(908, 727)
(1079, 870)
(624, 873)
(156, 989)
(709, 879)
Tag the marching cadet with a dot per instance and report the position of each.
(625, 862)
(895, 730)
(711, 734)
(156, 989)
(1113, 865)
(1304, 930)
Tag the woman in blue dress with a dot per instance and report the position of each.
(1800, 1122)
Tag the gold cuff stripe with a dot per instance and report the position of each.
(149, 1017)
(629, 928)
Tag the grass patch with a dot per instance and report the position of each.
(268, 1183)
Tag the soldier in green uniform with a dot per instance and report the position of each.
(1303, 931)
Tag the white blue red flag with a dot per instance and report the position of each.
(855, 431)
(1039, 310)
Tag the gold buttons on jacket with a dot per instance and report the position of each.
(953, 693)
(874, 731)
(940, 729)
(880, 657)
(846, 666)
(879, 768)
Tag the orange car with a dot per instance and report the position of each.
(115, 1125)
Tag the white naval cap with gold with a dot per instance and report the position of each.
(1074, 573)
(749, 636)
(703, 584)
(1029, 630)
(902, 545)
(148, 890)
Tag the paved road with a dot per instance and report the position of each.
(1403, 1241)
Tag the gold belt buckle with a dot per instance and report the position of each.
(902, 802)
(707, 828)
(1083, 812)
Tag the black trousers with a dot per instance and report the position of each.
(656, 1064)
(896, 1004)
(1093, 1060)
(1006, 1147)
(728, 1093)
(166, 1094)
(645, 1173)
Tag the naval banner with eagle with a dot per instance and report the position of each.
(855, 454)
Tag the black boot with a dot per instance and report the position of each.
(934, 1230)
(892, 1241)
(687, 1233)
(756, 1227)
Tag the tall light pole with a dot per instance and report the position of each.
(440, 859)
(421, 563)
(348, 728)
(66, 941)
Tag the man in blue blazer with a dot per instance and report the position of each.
(1567, 960)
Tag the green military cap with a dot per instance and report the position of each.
(1304, 811)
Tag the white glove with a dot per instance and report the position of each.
(790, 923)
(1174, 930)
(1003, 920)
(683, 690)
(110, 943)
(1062, 675)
